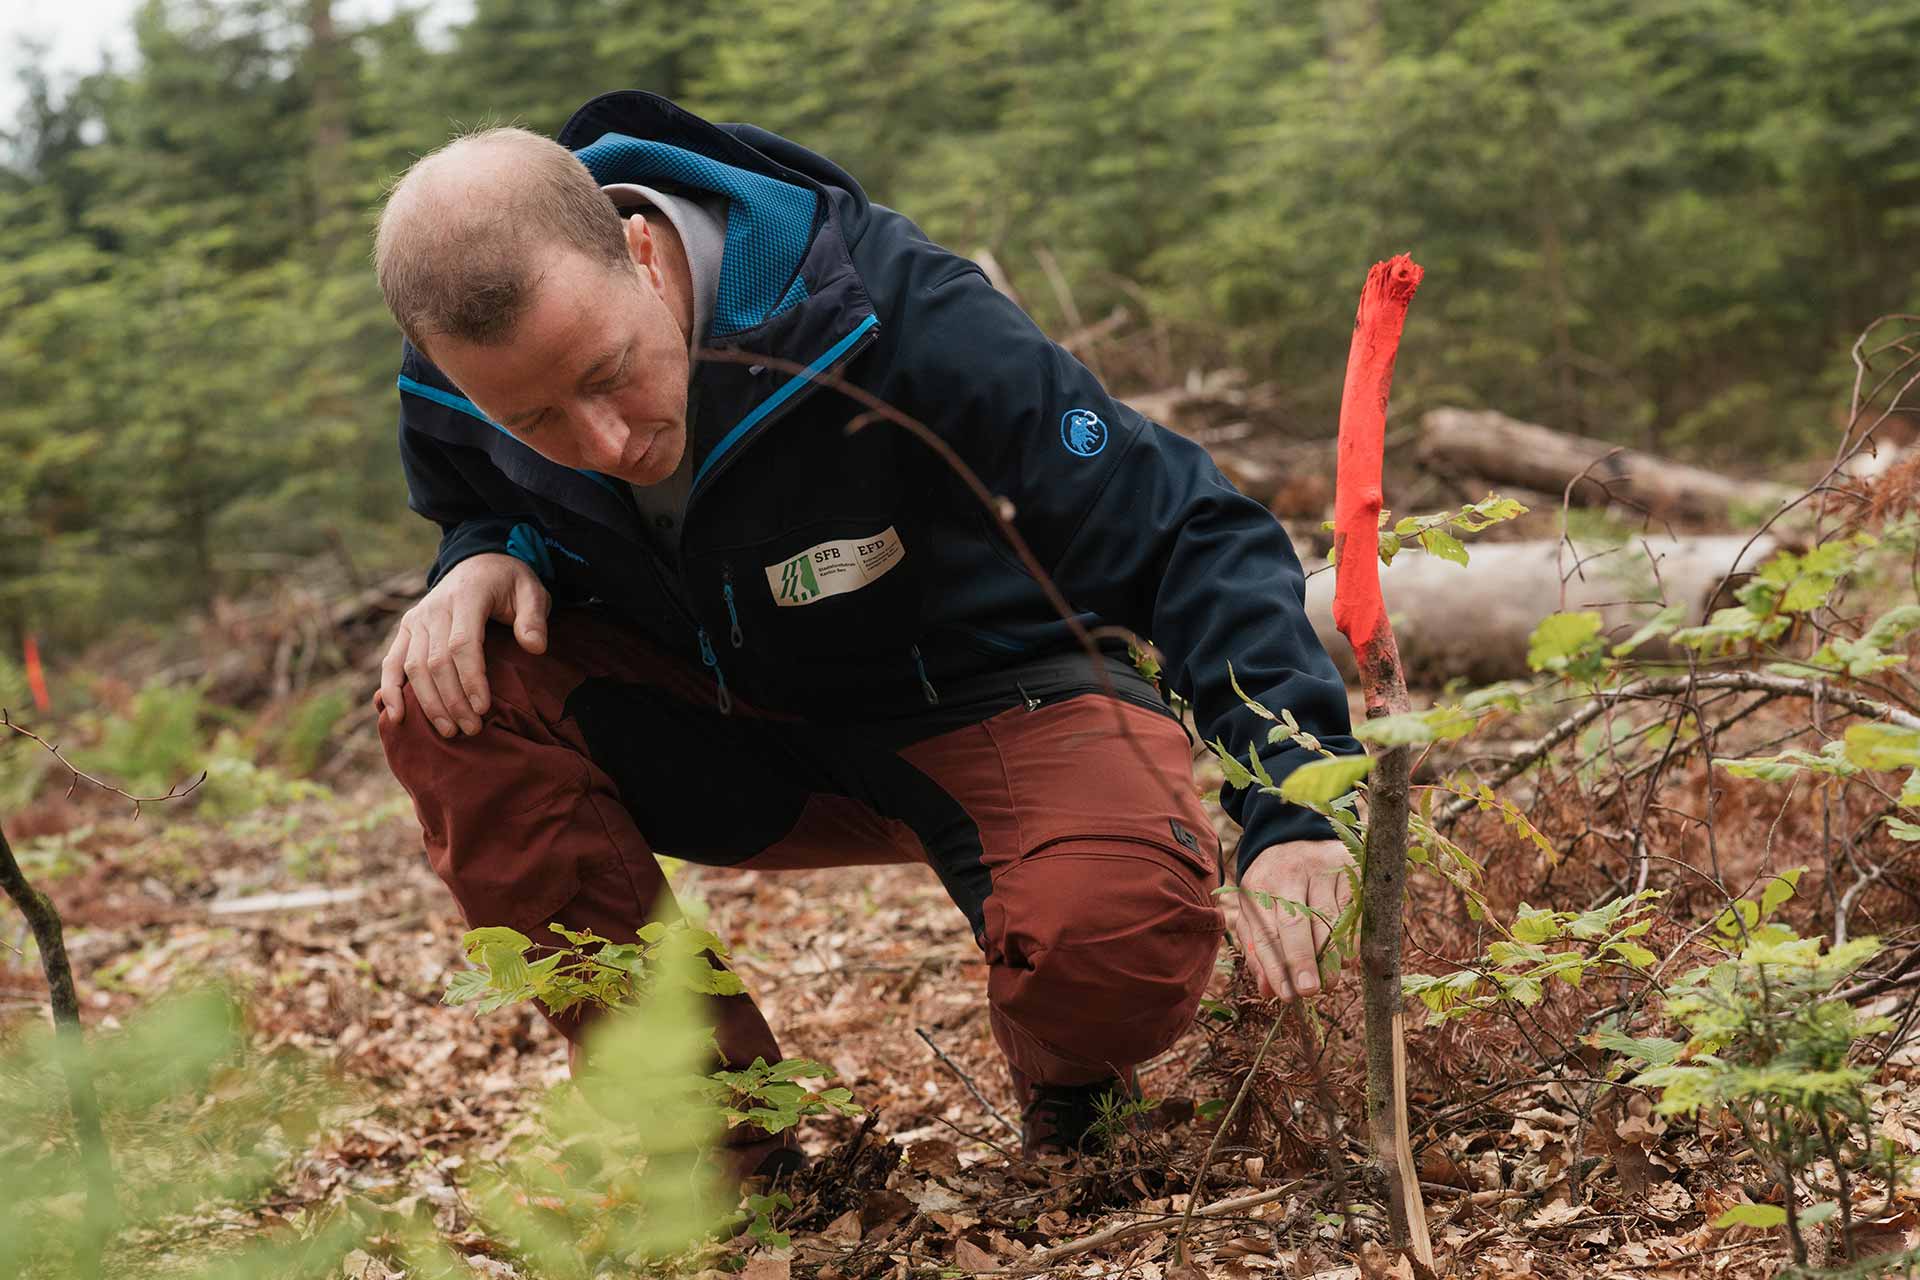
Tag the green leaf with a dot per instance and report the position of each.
(465, 986)
(1560, 639)
(1236, 773)
(494, 936)
(1251, 705)
(1752, 1215)
(1901, 829)
(1653, 1050)
(1662, 623)
(1404, 730)
(1883, 746)
(1536, 925)
(1440, 543)
(1892, 625)
(1637, 956)
(1320, 782)
(1778, 890)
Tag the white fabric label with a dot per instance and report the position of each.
(834, 568)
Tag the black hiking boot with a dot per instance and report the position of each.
(1059, 1119)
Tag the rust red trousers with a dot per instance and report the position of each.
(1079, 855)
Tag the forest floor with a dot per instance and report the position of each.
(850, 967)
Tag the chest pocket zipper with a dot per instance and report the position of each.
(712, 660)
(736, 636)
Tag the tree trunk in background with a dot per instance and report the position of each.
(1473, 621)
(1356, 37)
(327, 167)
(1505, 450)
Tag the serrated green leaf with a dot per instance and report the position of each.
(1536, 925)
(1233, 681)
(494, 936)
(1637, 956)
(1236, 773)
(1321, 782)
(465, 986)
(1653, 1050)
(1438, 542)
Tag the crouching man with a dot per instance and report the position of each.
(735, 631)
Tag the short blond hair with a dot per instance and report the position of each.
(465, 228)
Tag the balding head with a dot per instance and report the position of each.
(467, 231)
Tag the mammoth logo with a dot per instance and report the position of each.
(1082, 432)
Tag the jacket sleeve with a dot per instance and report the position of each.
(437, 490)
(1137, 524)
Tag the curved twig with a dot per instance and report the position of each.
(174, 792)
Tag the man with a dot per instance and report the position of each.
(744, 633)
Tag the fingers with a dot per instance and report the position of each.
(1322, 898)
(425, 689)
(1261, 944)
(1297, 952)
(387, 700)
(530, 605)
(449, 635)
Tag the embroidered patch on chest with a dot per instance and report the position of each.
(834, 568)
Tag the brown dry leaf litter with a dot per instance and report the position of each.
(848, 965)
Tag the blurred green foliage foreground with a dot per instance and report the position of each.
(1660, 223)
(617, 1176)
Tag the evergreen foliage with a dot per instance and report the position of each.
(1657, 223)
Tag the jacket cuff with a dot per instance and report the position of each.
(1272, 821)
(469, 538)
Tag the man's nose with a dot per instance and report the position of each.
(603, 437)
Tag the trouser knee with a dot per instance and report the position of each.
(1100, 950)
(501, 811)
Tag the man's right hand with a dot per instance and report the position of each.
(439, 647)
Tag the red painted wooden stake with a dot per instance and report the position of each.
(1361, 615)
(36, 678)
(1358, 609)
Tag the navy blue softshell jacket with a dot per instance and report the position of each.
(1133, 522)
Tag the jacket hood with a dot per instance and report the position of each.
(779, 194)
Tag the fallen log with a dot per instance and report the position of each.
(1474, 621)
(1506, 451)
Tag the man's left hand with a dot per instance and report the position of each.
(1283, 944)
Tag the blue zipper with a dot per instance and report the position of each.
(712, 660)
(792, 387)
(926, 685)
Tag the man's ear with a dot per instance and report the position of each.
(644, 249)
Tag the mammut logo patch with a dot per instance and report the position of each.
(833, 568)
(1082, 432)
(1184, 836)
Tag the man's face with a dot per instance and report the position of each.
(595, 374)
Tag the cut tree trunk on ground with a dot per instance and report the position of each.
(1474, 621)
(1505, 450)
